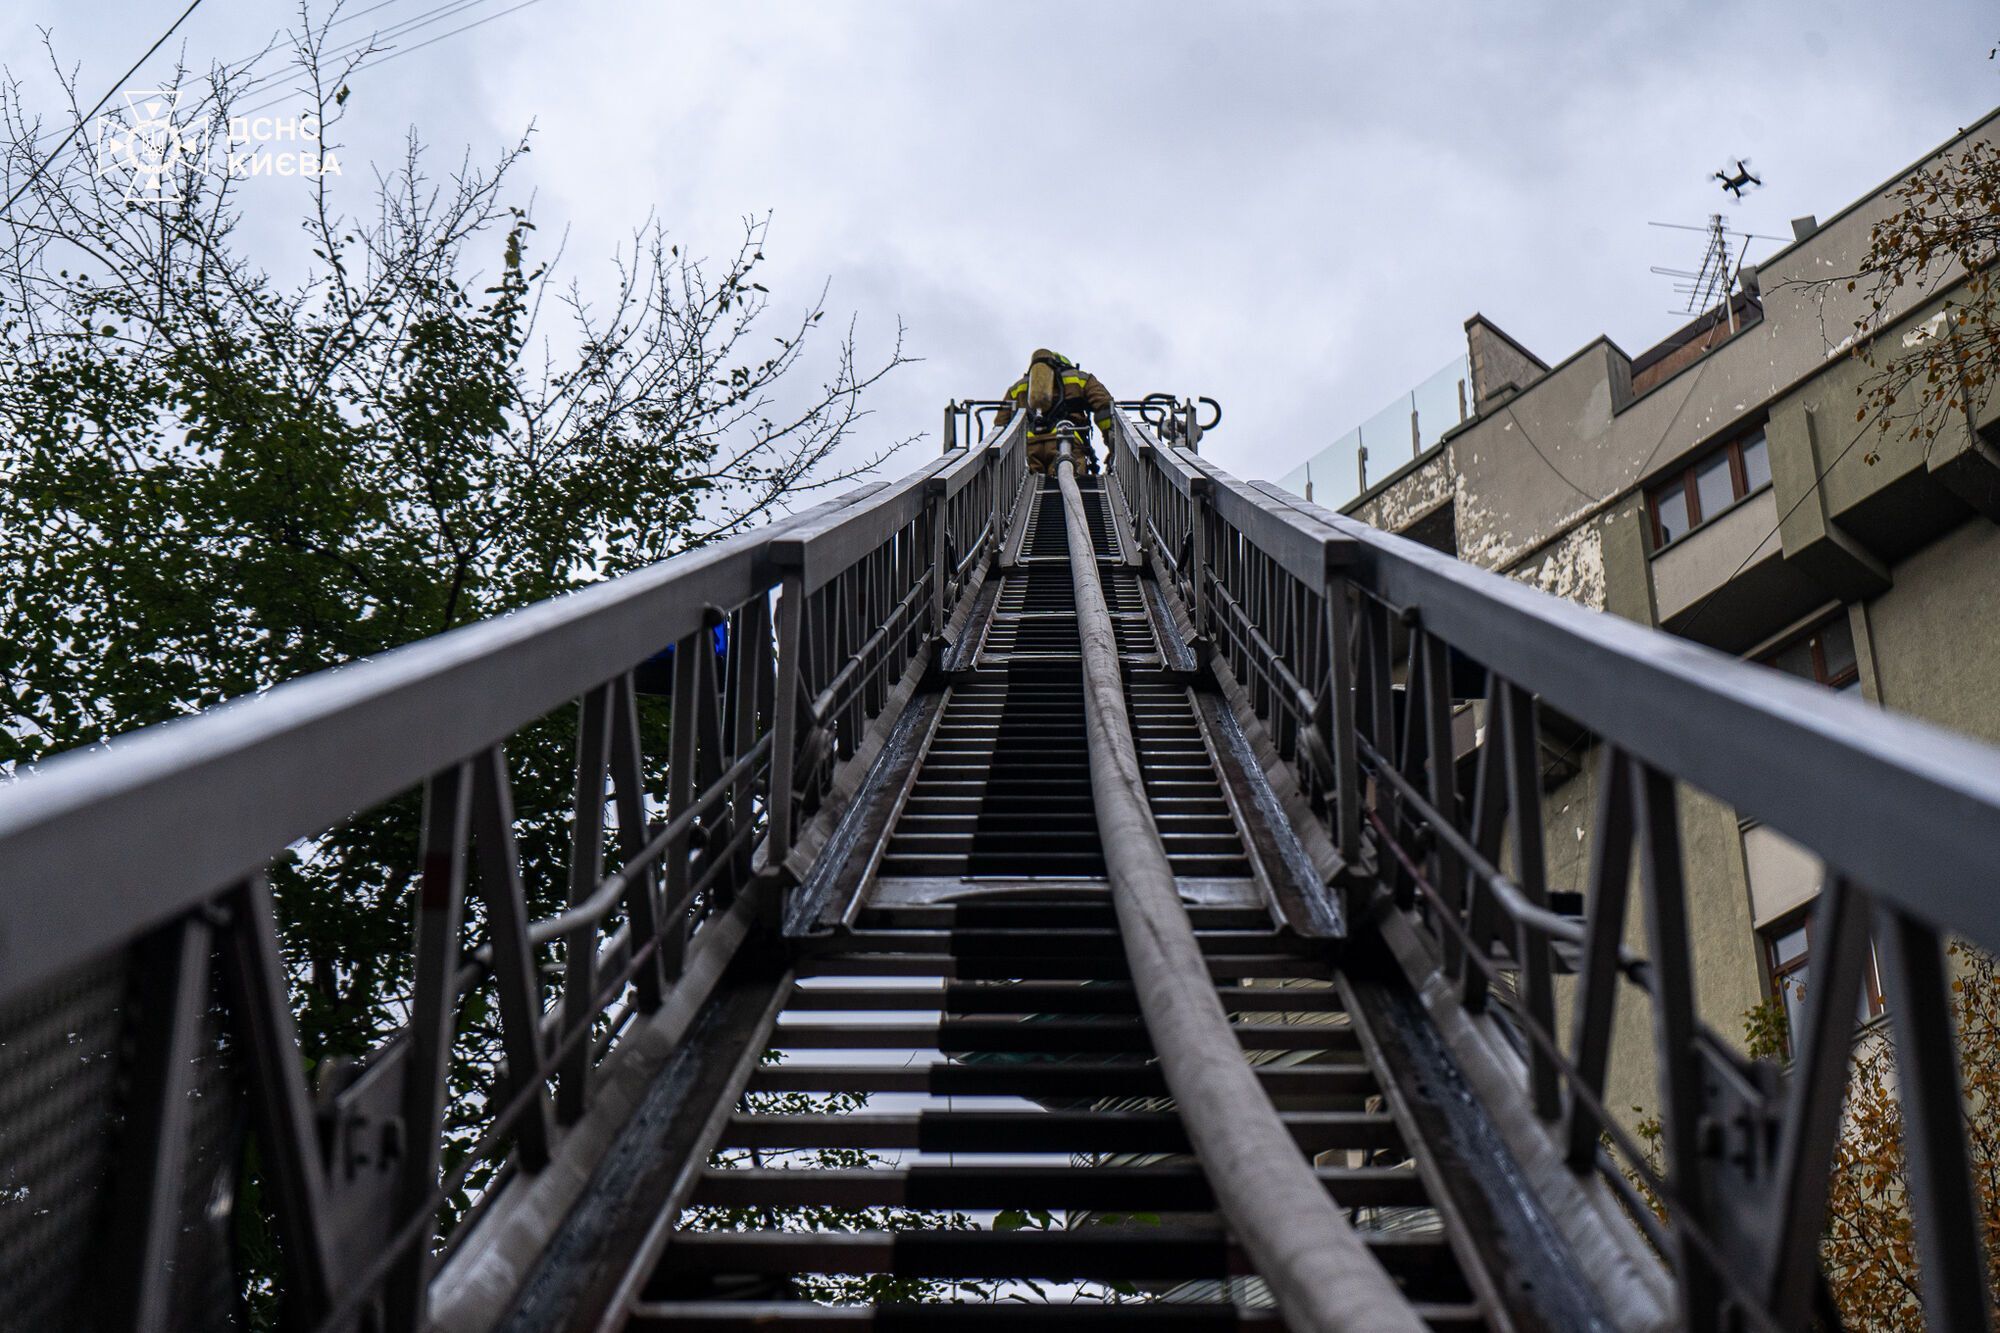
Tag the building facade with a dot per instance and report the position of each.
(1719, 487)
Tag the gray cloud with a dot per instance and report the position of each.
(1289, 206)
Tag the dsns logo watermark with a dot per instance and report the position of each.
(150, 145)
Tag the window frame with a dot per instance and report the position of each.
(1812, 636)
(1801, 918)
(1739, 486)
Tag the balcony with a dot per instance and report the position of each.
(1726, 583)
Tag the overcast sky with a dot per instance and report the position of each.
(1292, 207)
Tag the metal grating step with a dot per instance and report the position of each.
(1153, 1252)
(1055, 635)
(948, 967)
(1046, 587)
(688, 1316)
(1034, 614)
(885, 1150)
(1004, 789)
(1075, 910)
(1055, 1037)
(1047, 535)
(1052, 1081)
(1151, 1188)
(1000, 789)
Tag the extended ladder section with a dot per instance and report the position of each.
(984, 900)
(966, 1115)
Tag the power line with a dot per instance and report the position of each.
(1564, 476)
(408, 50)
(477, 23)
(399, 28)
(251, 63)
(361, 44)
(83, 120)
(1686, 631)
(1700, 369)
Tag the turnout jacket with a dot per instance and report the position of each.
(1084, 398)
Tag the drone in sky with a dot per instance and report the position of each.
(1741, 179)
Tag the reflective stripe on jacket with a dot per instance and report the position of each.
(1083, 395)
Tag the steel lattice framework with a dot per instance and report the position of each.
(1262, 696)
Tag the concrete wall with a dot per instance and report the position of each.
(1571, 567)
(1576, 439)
(1728, 974)
(1547, 485)
(1410, 495)
(1600, 563)
(1500, 366)
(1935, 635)
(1701, 561)
(1628, 576)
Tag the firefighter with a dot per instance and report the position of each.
(1056, 390)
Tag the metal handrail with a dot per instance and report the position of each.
(1763, 741)
(229, 789)
(1756, 738)
(832, 537)
(1306, 606)
(150, 851)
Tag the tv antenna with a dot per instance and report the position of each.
(1711, 280)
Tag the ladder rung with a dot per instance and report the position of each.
(1171, 1252)
(672, 1316)
(1049, 998)
(1097, 910)
(1055, 1080)
(1039, 1131)
(993, 1035)
(948, 967)
(1175, 1188)
(1067, 942)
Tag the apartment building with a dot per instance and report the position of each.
(1718, 486)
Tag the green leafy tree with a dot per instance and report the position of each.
(212, 479)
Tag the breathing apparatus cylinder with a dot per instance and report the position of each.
(1044, 388)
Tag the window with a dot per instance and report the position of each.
(1824, 653)
(1756, 464)
(1670, 512)
(1713, 483)
(1790, 961)
(1788, 956)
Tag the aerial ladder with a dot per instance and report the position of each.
(994, 900)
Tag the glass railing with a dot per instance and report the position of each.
(1414, 422)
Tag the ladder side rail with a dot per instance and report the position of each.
(1744, 1183)
(171, 828)
(861, 594)
(1271, 582)
(231, 788)
(1164, 505)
